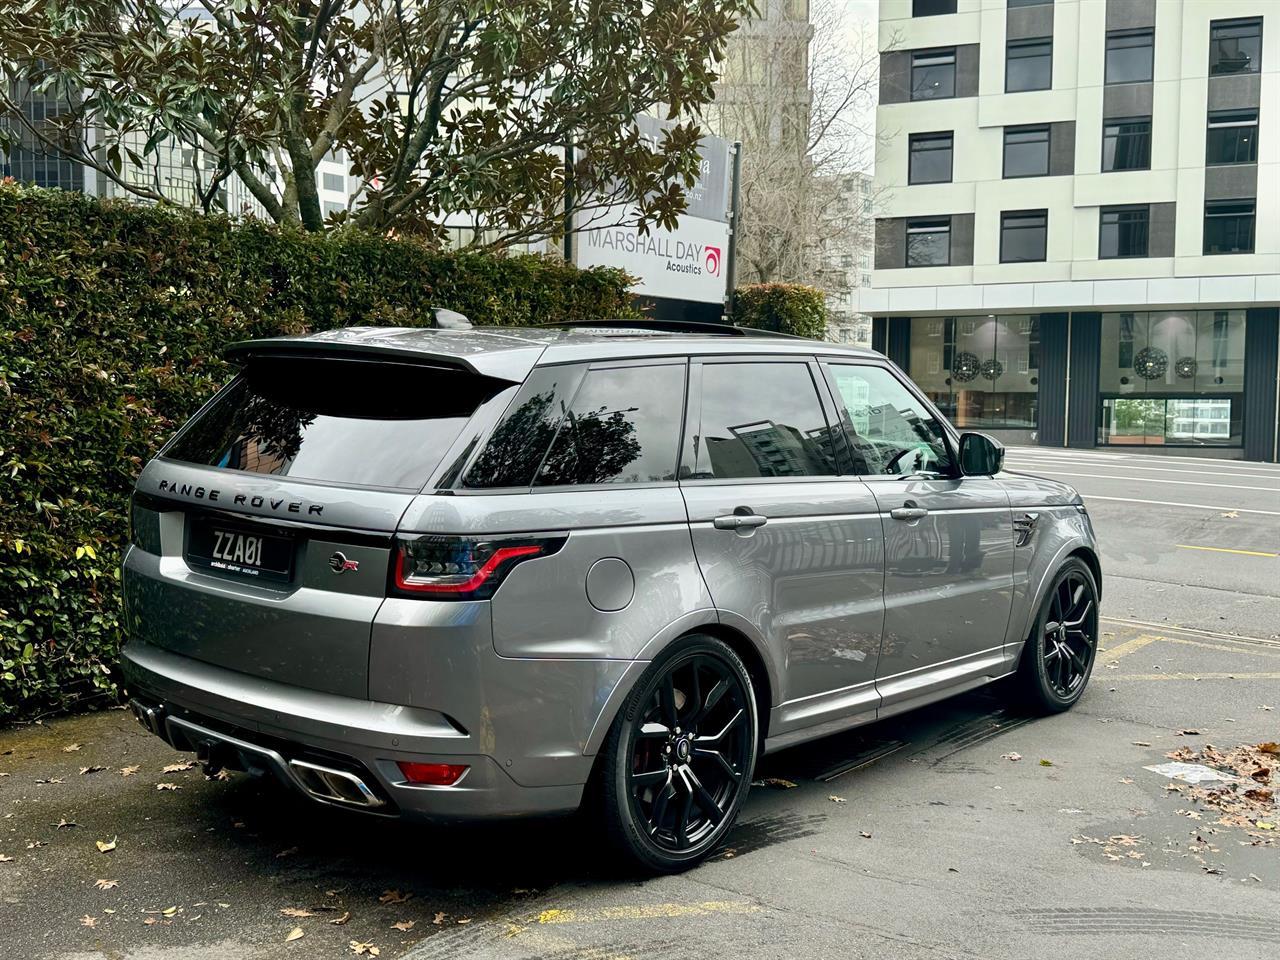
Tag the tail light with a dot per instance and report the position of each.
(463, 568)
(432, 774)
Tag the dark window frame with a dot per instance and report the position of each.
(1231, 120)
(1118, 122)
(916, 4)
(1122, 35)
(1006, 229)
(936, 53)
(1255, 65)
(1210, 208)
(1119, 211)
(1027, 129)
(1028, 3)
(915, 143)
(1027, 43)
(939, 225)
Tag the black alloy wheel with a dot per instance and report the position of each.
(1061, 650)
(680, 756)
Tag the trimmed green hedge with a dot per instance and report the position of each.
(112, 319)
(783, 308)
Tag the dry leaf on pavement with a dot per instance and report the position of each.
(287, 853)
(296, 912)
(94, 768)
(63, 822)
(106, 884)
(88, 921)
(106, 846)
(167, 786)
(834, 799)
(294, 934)
(403, 925)
(1011, 756)
(130, 771)
(394, 896)
(339, 921)
(1046, 763)
(179, 767)
(775, 782)
(438, 919)
(71, 748)
(1270, 747)
(5, 858)
(359, 949)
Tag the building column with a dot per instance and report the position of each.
(1084, 352)
(1261, 362)
(898, 342)
(1051, 388)
(880, 334)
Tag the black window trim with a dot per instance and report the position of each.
(1040, 211)
(1121, 35)
(944, 13)
(1234, 22)
(1223, 124)
(1224, 201)
(906, 226)
(932, 52)
(1026, 128)
(1107, 121)
(1121, 208)
(914, 138)
(1022, 43)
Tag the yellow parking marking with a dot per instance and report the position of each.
(1223, 647)
(651, 911)
(1243, 553)
(1129, 646)
(1128, 622)
(1193, 676)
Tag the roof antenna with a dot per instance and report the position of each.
(449, 319)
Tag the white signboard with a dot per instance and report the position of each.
(687, 263)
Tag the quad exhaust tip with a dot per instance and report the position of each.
(334, 786)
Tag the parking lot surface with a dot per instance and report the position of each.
(966, 829)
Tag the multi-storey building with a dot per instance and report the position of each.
(844, 246)
(1078, 233)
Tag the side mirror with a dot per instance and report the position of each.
(980, 455)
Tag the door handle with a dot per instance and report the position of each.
(908, 512)
(739, 521)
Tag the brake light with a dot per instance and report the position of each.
(432, 774)
(463, 568)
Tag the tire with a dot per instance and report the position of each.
(1059, 653)
(668, 798)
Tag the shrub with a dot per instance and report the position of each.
(112, 319)
(783, 308)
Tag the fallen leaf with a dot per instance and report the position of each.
(71, 748)
(88, 921)
(1262, 774)
(179, 767)
(294, 934)
(296, 912)
(339, 921)
(170, 911)
(776, 783)
(438, 919)
(864, 834)
(1015, 757)
(106, 884)
(1261, 825)
(130, 771)
(464, 920)
(1231, 515)
(403, 925)
(105, 846)
(150, 921)
(167, 786)
(65, 823)
(1141, 743)
(834, 799)
(287, 853)
(1046, 763)
(359, 949)
(1126, 779)
(32, 844)
(51, 780)
(1270, 747)
(5, 858)
(91, 769)
(394, 896)
(1188, 733)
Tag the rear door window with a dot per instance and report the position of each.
(759, 419)
(349, 422)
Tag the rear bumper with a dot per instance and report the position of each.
(267, 727)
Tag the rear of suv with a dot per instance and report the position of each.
(482, 573)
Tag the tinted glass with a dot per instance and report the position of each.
(892, 432)
(928, 243)
(1026, 151)
(930, 158)
(1129, 56)
(1123, 232)
(622, 427)
(1228, 226)
(1232, 137)
(932, 8)
(1028, 65)
(349, 422)
(1235, 46)
(521, 439)
(759, 420)
(933, 75)
(1126, 144)
(1023, 235)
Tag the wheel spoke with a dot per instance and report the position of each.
(1088, 605)
(652, 729)
(660, 802)
(733, 721)
(667, 701)
(704, 798)
(725, 765)
(694, 701)
(714, 695)
(682, 818)
(650, 777)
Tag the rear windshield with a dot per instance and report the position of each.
(351, 422)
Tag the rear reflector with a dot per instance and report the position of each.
(432, 774)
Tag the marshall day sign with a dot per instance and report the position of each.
(687, 263)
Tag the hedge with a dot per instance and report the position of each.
(783, 308)
(112, 319)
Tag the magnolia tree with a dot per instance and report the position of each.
(438, 106)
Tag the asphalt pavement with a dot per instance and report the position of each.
(965, 830)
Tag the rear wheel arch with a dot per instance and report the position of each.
(754, 661)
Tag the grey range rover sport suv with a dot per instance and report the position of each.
(477, 573)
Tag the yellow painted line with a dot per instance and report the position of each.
(1223, 647)
(653, 911)
(1195, 632)
(1193, 676)
(1128, 647)
(1243, 553)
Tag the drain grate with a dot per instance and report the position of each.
(1092, 921)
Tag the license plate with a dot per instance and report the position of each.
(240, 551)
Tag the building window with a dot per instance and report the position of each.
(1023, 235)
(1235, 46)
(1126, 144)
(929, 242)
(1123, 232)
(932, 8)
(930, 158)
(1232, 137)
(1228, 226)
(1028, 65)
(334, 181)
(1029, 3)
(1026, 152)
(1130, 55)
(933, 74)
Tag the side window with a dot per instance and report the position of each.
(759, 420)
(892, 433)
(623, 426)
(520, 440)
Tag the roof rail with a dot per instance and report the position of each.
(673, 326)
